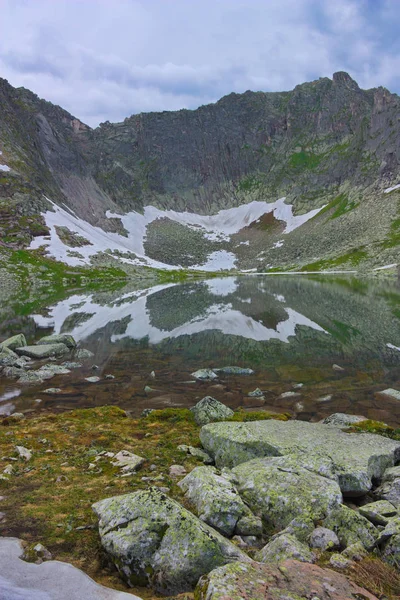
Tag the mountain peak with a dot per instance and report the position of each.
(344, 79)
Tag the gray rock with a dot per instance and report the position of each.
(391, 474)
(209, 410)
(16, 341)
(8, 358)
(283, 547)
(324, 539)
(44, 351)
(390, 490)
(62, 338)
(42, 374)
(218, 503)
(339, 562)
(154, 541)
(379, 513)
(51, 580)
(337, 368)
(355, 552)
(391, 393)
(257, 393)
(82, 353)
(52, 391)
(356, 458)
(351, 527)
(71, 365)
(300, 528)
(234, 371)
(279, 492)
(391, 529)
(391, 551)
(197, 453)
(343, 419)
(128, 462)
(23, 452)
(93, 379)
(204, 375)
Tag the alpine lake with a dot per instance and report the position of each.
(317, 345)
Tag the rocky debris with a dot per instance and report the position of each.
(324, 539)
(204, 375)
(343, 420)
(283, 547)
(42, 554)
(23, 452)
(42, 374)
(379, 513)
(389, 541)
(71, 365)
(109, 376)
(391, 393)
(218, 503)
(391, 529)
(291, 579)
(45, 351)
(356, 458)
(234, 371)
(338, 561)
(82, 354)
(301, 528)
(351, 527)
(62, 338)
(257, 393)
(390, 488)
(16, 341)
(279, 492)
(209, 410)
(290, 395)
(177, 471)
(128, 462)
(154, 541)
(93, 379)
(197, 453)
(24, 580)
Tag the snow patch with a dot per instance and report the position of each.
(391, 189)
(4, 168)
(393, 347)
(386, 267)
(278, 244)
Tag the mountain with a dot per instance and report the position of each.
(306, 179)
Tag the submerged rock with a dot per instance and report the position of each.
(8, 357)
(154, 541)
(356, 458)
(62, 338)
(16, 341)
(44, 351)
(234, 371)
(209, 410)
(292, 579)
(218, 503)
(283, 547)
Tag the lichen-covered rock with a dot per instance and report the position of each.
(355, 552)
(44, 351)
(391, 529)
(343, 420)
(128, 462)
(351, 527)
(290, 580)
(324, 539)
(205, 375)
(283, 547)
(378, 512)
(391, 551)
(83, 353)
(300, 528)
(356, 458)
(234, 371)
(279, 492)
(197, 453)
(338, 561)
(8, 358)
(390, 489)
(62, 338)
(209, 410)
(16, 341)
(154, 541)
(218, 503)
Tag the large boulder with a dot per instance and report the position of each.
(351, 527)
(279, 492)
(379, 513)
(45, 351)
(8, 358)
(283, 547)
(61, 338)
(154, 541)
(16, 341)
(324, 539)
(356, 459)
(390, 488)
(290, 580)
(209, 410)
(218, 503)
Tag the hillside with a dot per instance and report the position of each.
(314, 167)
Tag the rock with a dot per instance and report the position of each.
(93, 379)
(337, 368)
(324, 539)
(42, 374)
(290, 395)
(128, 462)
(234, 371)
(154, 541)
(283, 547)
(45, 351)
(300, 528)
(391, 474)
(257, 393)
(82, 353)
(204, 375)
(62, 338)
(8, 358)
(42, 553)
(218, 503)
(209, 410)
(52, 391)
(153, 374)
(390, 489)
(146, 412)
(292, 579)
(326, 398)
(339, 562)
(71, 365)
(355, 552)
(55, 580)
(17, 341)
(351, 527)
(177, 471)
(24, 452)
(109, 376)
(343, 420)
(279, 493)
(356, 458)
(391, 529)
(148, 389)
(391, 551)
(378, 512)
(390, 393)
(197, 453)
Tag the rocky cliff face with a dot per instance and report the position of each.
(326, 143)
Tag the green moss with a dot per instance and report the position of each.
(304, 160)
(350, 259)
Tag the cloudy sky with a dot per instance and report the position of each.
(107, 59)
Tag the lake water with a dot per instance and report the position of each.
(290, 329)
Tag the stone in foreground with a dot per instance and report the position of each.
(44, 351)
(324, 539)
(154, 541)
(51, 580)
(391, 393)
(234, 371)
(291, 580)
(209, 410)
(62, 338)
(351, 527)
(378, 512)
(16, 341)
(218, 503)
(283, 547)
(356, 458)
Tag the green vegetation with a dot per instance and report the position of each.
(350, 259)
(340, 205)
(304, 160)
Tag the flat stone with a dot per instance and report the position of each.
(24, 452)
(283, 547)
(204, 375)
(391, 393)
(62, 338)
(52, 391)
(44, 351)
(209, 410)
(290, 395)
(356, 458)
(51, 580)
(378, 512)
(324, 539)
(93, 379)
(128, 462)
(234, 371)
(177, 471)
(83, 353)
(343, 419)
(16, 341)
(291, 579)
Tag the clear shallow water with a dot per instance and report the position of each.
(289, 329)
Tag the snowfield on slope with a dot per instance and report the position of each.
(220, 226)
